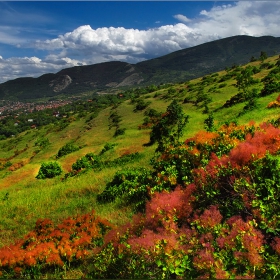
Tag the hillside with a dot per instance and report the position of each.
(175, 67)
(219, 113)
(208, 58)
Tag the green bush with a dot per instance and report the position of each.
(222, 85)
(42, 142)
(119, 131)
(92, 161)
(49, 170)
(107, 147)
(141, 105)
(67, 149)
(130, 185)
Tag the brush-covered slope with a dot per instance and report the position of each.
(175, 67)
(25, 199)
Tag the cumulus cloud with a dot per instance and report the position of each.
(242, 18)
(117, 41)
(85, 45)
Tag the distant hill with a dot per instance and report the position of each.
(208, 57)
(175, 67)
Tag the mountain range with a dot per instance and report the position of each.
(177, 66)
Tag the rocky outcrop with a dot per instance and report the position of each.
(60, 83)
(133, 79)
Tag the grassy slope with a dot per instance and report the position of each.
(30, 199)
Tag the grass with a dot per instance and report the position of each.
(53, 199)
(29, 199)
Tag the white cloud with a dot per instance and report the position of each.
(86, 45)
(15, 67)
(182, 18)
(116, 41)
(250, 18)
(255, 18)
(9, 35)
(203, 12)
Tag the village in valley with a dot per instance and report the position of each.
(7, 107)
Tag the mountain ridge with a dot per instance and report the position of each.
(177, 66)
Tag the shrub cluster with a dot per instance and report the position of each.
(132, 186)
(107, 147)
(67, 149)
(51, 248)
(271, 82)
(42, 142)
(223, 224)
(211, 210)
(49, 170)
(92, 161)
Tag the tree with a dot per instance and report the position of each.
(244, 79)
(209, 123)
(271, 84)
(49, 170)
(253, 59)
(169, 128)
(263, 56)
(114, 121)
(68, 148)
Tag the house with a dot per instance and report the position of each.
(56, 114)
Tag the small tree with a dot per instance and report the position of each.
(253, 59)
(209, 123)
(263, 56)
(169, 128)
(244, 80)
(114, 121)
(67, 149)
(42, 142)
(49, 170)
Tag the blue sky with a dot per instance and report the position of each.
(44, 37)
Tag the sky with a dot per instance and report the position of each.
(38, 37)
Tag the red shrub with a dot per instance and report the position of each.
(276, 245)
(165, 208)
(211, 217)
(267, 140)
(204, 260)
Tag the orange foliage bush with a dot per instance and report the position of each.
(275, 103)
(55, 246)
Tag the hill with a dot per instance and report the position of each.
(105, 153)
(207, 58)
(178, 66)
